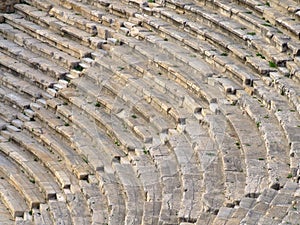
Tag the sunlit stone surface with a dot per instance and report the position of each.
(149, 112)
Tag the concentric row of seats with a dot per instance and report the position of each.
(135, 112)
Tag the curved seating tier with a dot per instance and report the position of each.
(150, 112)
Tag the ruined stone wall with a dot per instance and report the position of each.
(7, 6)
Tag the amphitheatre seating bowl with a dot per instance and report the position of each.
(149, 112)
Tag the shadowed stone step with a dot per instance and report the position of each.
(35, 170)
(26, 71)
(12, 198)
(50, 37)
(23, 184)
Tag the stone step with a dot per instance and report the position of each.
(47, 36)
(42, 215)
(60, 212)
(7, 112)
(83, 150)
(25, 71)
(91, 12)
(209, 160)
(110, 124)
(12, 198)
(171, 66)
(246, 16)
(45, 156)
(277, 102)
(170, 178)
(80, 214)
(149, 177)
(133, 191)
(254, 151)
(232, 156)
(223, 215)
(286, 87)
(96, 200)
(17, 100)
(32, 59)
(43, 19)
(151, 95)
(257, 63)
(18, 85)
(45, 5)
(266, 209)
(98, 33)
(205, 218)
(37, 173)
(139, 63)
(277, 155)
(191, 177)
(114, 193)
(24, 185)
(6, 217)
(86, 154)
(215, 38)
(38, 47)
(74, 162)
(175, 72)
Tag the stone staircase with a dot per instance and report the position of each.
(149, 112)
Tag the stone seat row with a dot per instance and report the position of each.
(5, 215)
(83, 37)
(31, 126)
(152, 96)
(47, 66)
(27, 72)
(245, 78)
(32, 167)
(45, 35)
(246, 16)
(77, 163)
(84, 124)
(290, 88)
(22, 140)
(270, 207)
(281, 42)
(28, 189)
(80, 17)
(89, 89)
(38, 47)
(272, 13)
(227, 44)
(75, 102)
(277, 148)
(233, 69)
(12, 198)
(129, 214)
